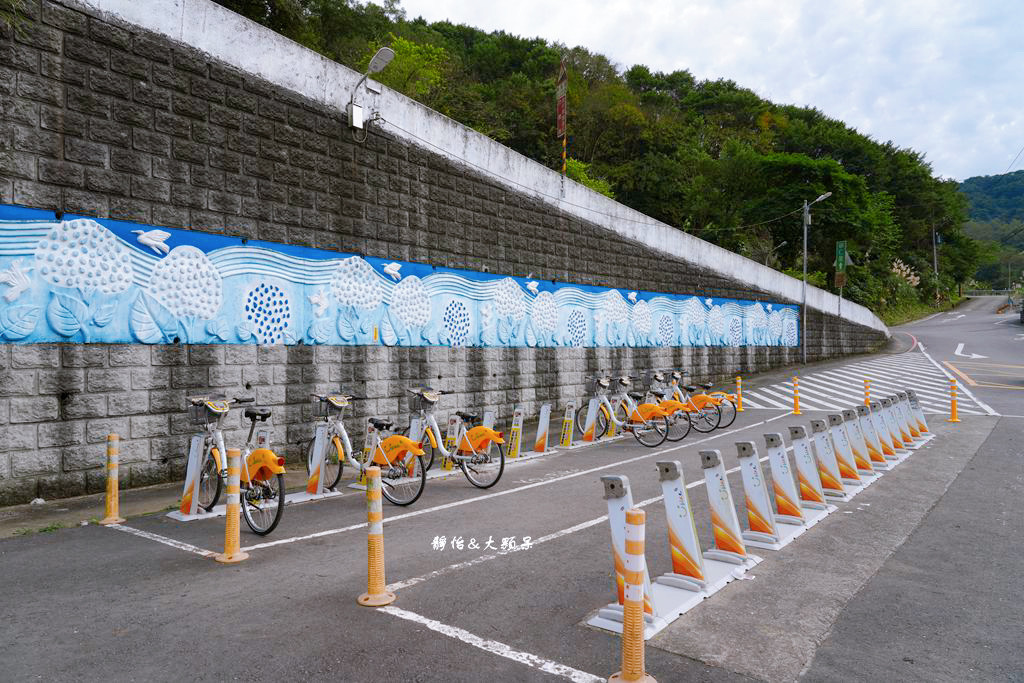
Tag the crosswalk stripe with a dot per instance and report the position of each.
(889, 385)
(812, 404)
(817, 385)
(764, 399)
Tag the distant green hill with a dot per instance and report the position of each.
(995, 197)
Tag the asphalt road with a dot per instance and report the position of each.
(914, 579)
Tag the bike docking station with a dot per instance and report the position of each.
(864, 427)
(907, 421)
(540, 442)
(828, 467)
(917, 413)
(315, 489)
(694, 577)
(892, 447)
(813, 505)
(767, 530)
(852, 475)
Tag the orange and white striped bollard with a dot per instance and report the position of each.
(377, 594)
(112, 508)
(739, 394)
(633, 604)
(953, 417)
(796, 395)
(232, 498)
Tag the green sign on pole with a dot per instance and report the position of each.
(841, 264)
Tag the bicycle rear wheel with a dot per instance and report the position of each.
(705, 419)
(263, 504)
(398, 485)
(334, 463)
(678, 426)
(600, 424)
(651, 433)
(728, 410)
(483, 470)
(210, 484)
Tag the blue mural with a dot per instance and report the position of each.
(93, 280)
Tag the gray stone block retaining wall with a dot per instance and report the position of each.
(108, 120)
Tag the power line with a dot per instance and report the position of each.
(1014, 160)
(559, 199)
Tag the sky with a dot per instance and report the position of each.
(942, 77)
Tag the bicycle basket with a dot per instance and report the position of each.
(320, 408)
(596, 383)
(208, 412)
(418, 403)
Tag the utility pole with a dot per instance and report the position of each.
(935, 261)
(803, 307)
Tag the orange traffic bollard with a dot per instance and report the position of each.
(867, 392)
(796, 395)
(739, 394)
(232, 546)
(633, 604)
(113, 510)
(952, 401)
(377, 594)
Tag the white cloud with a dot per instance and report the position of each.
(939, 77)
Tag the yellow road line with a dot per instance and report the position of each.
(963, 376)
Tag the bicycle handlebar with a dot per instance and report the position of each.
(247, 399)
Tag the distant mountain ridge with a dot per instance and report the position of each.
(995, 197)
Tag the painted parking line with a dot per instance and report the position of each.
(180, 545)
(495, 647)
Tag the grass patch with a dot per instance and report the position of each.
(23, 532)
(905, 313)
(52, 527)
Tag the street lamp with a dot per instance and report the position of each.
(380, 60)
(803, 308)
(770, 253)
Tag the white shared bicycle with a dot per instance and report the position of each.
(479, 451)
(403, 475)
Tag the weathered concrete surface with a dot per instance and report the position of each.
(770, 627)
(945, 606)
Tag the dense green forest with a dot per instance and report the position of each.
(709, 157)
(996, 221)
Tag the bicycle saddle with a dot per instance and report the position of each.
(708, 385)
(658, 393)
(690, 388)
(467, 417)
(260, 414)
(677, 375)
(381, 425)
(636, 395)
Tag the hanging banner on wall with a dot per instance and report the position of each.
(96, 280)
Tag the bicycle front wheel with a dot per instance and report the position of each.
(705, 419)
(678, 426)
(651, 433)
(263, 504)
(728, 410)
(334, 463)
(400, 486)
(209, 483)
(483, 470)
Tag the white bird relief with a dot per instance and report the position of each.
(532, 286)
(154, 239)
(17, 279)
(392, 270)
(709, 301)
(319, 301)
(632, 297)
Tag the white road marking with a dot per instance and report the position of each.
(180, 545)
(506, 492)
(495, 647)
(981, 404)
(959, 352)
